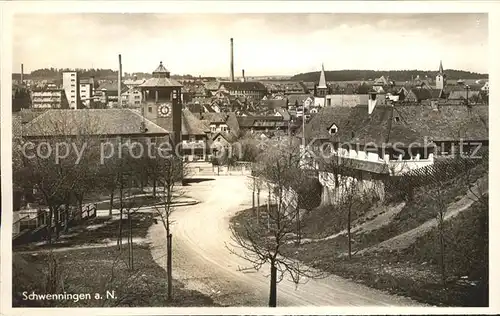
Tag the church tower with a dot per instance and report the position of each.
(440, 77)
(322, 88)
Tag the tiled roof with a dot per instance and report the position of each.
(90, 121)
(212, 85)
(112, 86)
(243, 86)
(274, 104)
(319, 124)
(376, 128)
(426, 94)
(349, 100)
(456, 95)
(401, 124)
(284, 113)
(214, 117)
(299, 98)
(160, 82)
(250, 121)
(449, 122)
(230, 137)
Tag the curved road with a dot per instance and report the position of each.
(202, 261)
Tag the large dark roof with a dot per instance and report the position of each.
(319, 124)
(243, 86)
(90, 122)
(426, 94)
(274, 104)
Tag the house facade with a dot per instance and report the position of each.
(250, 89)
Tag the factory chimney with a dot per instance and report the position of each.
(232, 61)
(119, 80)
(22, 74)
(243, 75)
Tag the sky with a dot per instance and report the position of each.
(264, 44)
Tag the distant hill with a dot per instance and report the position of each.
(397, 75)
(99, 74)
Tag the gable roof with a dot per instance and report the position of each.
(91, 122)
(426, 94)
(112, 86)
(349, 100)
(215, 118)
(320, 123)
(448, 122)
(297, 98)
(274, 104)
(160, 82)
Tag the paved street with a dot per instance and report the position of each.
(202, 261)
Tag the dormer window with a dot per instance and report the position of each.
(397, 119)
(333, 129)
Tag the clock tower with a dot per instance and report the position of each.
(161, 103)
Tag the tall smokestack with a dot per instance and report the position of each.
(232, 60)
(119, 80)
(22, 73)
(243, 75)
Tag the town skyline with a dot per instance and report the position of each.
(381, 42)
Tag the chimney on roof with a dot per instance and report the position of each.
(232, 61)
(22, 73)
(243, 75)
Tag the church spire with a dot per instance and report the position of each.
(322, 78)
(441, 67)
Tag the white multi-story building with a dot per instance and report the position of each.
(48, 99)
(86, 91)
(71, 86)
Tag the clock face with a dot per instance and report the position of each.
(164, 110)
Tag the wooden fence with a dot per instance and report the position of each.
(440, 172)
(38, 219)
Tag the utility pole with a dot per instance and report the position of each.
(119, 80)
(467, 94)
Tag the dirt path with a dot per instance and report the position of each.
(379, 221)
(408, 238)
(202, 261)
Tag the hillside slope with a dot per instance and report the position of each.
(396, 247)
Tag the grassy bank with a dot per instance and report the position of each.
(414, 272)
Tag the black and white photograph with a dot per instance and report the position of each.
(190, 159)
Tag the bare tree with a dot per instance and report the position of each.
(170, 174)
(58, 170)
(263, 244)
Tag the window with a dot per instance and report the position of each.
(396, 119)
(72, 75)
(150, 109)
(137, 102)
